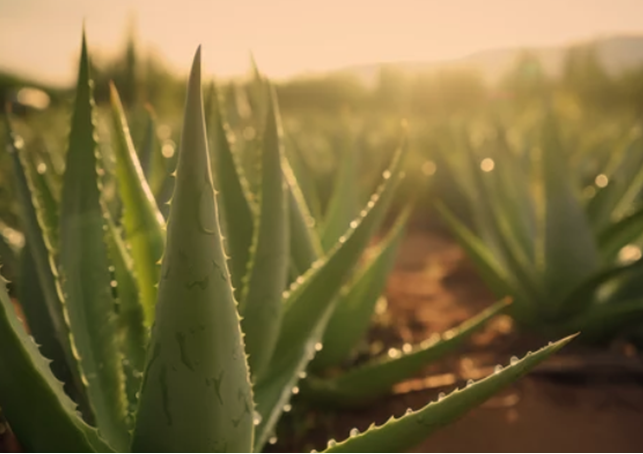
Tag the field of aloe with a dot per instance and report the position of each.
(262, 268)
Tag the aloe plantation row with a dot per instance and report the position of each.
(189, 326)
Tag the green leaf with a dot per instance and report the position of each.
(40, 246)
(196, 394)
(377, 377)
(344, 203)
(310, 303)
(133, 335)
(152, 160)
(305, 244)
(10, 247)
(261, 305)
(493, 273)
(620, 234)
(42, 416)
(625, 181)
(43, 198)
(569, 252)
(34, 307)
(84, 270)
(404, 433)
(357, 300)
(305, 179)
(142, 220)
(237, 205)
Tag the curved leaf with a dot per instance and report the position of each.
(261, 306)
(144, 224)
(310, 303)
(42, 253)
(133, 335)
(42, 416)
(404, 433)
(377, 377)
(305, 244)
(354, 310)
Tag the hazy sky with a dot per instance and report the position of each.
(41, 37)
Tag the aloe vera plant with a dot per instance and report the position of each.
(196, 372)
(535, 237)
(357, 299)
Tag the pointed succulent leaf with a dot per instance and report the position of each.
(237, 205)
(42, 251)
(133, 335)
(42, 416)
(305, 244)
(152, 160)
(354, 310)
(310, 302)
(493, 273)
(261, 306)
(624, 182)
(377, 377)
(142, 220)
(521, 270)
(404, 433)
(620, 234)
(10, 251)
(569, 251)
(44, 201)
(304, 178)
(33, 305)
(84, 270)
(196, 393)
(344, 203)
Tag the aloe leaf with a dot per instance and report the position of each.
(261, 306)
(152, 160)
(305, 180)
(148, 143)
(625, 181)
(33, 305)
(196, 393)
(47, 207)
(310, 303)
(235, 197)
(305, 244)
(354, 310)
(10, 246)
(497, 225)
(84, 270)
(142, 220)
(493, 273)
(133, 335)
(344, 204)
(619, 234)
(42, 416)
(42, 251)
(569, 251)
(377, 377)
(404, 433)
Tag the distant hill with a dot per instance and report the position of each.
(617, 53)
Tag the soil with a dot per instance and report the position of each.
(579, 401)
